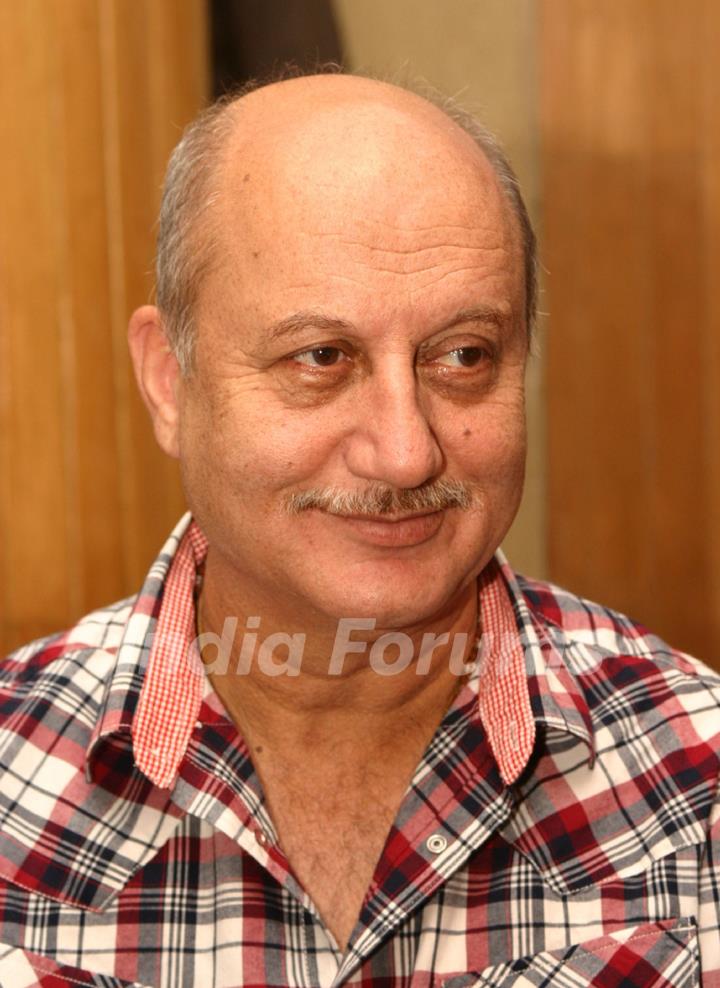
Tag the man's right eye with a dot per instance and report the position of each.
(322, 356)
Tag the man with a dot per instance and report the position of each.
(341, 795)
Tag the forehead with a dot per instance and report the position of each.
(375, 201)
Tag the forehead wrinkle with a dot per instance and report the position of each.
(365, 235)
(446, 275)
(443, 257)
(417, 250)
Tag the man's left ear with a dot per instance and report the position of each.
(158, 374)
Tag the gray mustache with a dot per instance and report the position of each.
(380, 499)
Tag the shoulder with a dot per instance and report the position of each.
(641, 791)
(641, 693)
(610, 633)
(68, 668)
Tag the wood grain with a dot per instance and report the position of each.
(630, 118)
(93, 96)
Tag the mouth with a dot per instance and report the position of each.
(393, 530)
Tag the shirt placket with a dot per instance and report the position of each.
(437, 830)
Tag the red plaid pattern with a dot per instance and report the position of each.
(563, 827)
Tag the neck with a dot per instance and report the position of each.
(282, 683)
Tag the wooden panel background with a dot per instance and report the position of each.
(93, 95)
(630, 124)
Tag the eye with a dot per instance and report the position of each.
(321, 356)
(463, 356)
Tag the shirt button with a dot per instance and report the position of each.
(436, 843)
(261, 838)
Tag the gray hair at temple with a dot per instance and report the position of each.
(185, 245)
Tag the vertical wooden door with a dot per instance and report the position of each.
(631, 190)
(93, 95)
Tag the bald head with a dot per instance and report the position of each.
(312, 146)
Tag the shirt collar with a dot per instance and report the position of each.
(552, 657)
(158, 684)
(155, 651)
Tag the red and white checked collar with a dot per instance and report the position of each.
(172, 689)
(174, 682)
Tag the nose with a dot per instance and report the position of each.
(392, 440)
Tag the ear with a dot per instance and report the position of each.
(158, 374)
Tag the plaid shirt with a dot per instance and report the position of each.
(563, 827)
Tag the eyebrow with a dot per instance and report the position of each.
(309, 319)
(480, 313)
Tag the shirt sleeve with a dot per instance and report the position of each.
(709, 908)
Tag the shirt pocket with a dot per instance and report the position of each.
(22, 969)
(652, 955)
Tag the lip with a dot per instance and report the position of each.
(407, 530)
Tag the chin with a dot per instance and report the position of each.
(394, 605)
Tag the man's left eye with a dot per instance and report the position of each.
(321, 356)
(463, 356)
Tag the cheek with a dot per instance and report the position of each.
(251, 450)
(490, 447)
